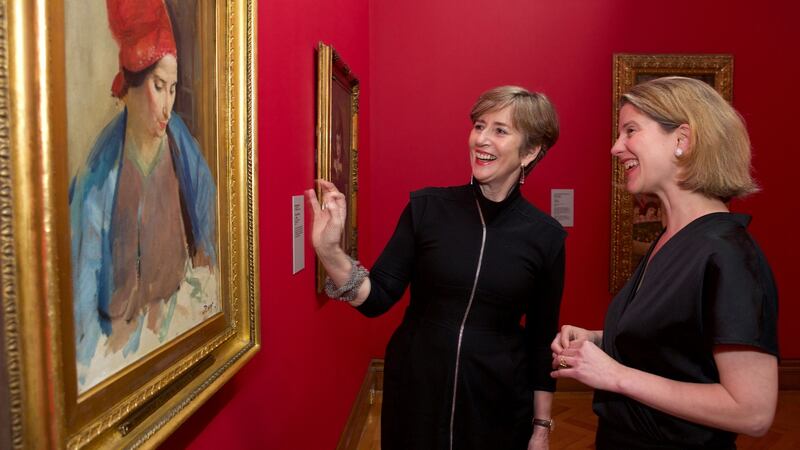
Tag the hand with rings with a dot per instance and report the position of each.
(586, 362)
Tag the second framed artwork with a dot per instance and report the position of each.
(636, 219)
(337, 139)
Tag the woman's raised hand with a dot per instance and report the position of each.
(328, 218)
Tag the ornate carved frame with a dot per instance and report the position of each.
(332, 74)
(142, 406)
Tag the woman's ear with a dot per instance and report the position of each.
(684, 136)
(531, 155)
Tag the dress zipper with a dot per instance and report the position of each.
(464, 321)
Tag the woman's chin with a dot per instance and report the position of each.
(481, 175)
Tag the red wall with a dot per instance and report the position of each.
(430, 60)
(298, 390)
(421, 64)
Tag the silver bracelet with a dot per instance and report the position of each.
(349, 290)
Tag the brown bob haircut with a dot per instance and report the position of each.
(717, 162)
(531, 113)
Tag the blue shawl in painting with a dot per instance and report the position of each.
(92, 199)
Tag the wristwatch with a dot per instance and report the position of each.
(550, 424)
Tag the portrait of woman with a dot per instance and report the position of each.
(142, 209)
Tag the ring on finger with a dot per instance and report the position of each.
(562, 363)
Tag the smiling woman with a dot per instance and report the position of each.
(497, 153)
(687, 357)
(512, 130)
(460, 370)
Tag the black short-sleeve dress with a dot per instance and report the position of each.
(470, 287)
(710, 284)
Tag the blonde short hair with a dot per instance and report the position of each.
(531, 113)
(717, 164)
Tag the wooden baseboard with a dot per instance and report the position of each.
(370, 388)
(789, 375)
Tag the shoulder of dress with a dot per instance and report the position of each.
(535, 215)
(722, 230)
(450, 192)
(731, 240)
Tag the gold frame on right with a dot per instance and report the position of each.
(634, 219)
(337, 140)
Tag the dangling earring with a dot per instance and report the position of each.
(521, 174)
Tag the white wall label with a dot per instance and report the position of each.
(298, 234)
(562, 206)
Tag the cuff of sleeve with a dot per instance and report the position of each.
(371, 306)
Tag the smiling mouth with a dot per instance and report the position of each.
(485, 157)
(630, 164)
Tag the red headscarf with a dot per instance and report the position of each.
(144, 34)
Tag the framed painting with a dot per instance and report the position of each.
(636, 220)
(129, 262)
(337, 140)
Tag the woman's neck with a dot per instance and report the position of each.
(496, 193)
(681, 207)
(143, 150)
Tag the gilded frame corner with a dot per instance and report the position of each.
(37, 345)
(338, 91)
(629, 70)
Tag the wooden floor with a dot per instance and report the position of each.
(576, 424)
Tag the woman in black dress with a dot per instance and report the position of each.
(689, 346)
(461, 371)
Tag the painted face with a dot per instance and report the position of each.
(494, 151)
(646, 152)
(150, 104)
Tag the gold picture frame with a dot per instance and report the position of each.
(139, 402)
(337, 140)
(631, 233)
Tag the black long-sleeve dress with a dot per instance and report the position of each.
(470, 287)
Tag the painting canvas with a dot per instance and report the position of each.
(636, 220)
(142, 198)
(130, 197)
(340, 167)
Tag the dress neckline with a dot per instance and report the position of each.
(740, 219)
(490, 208)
